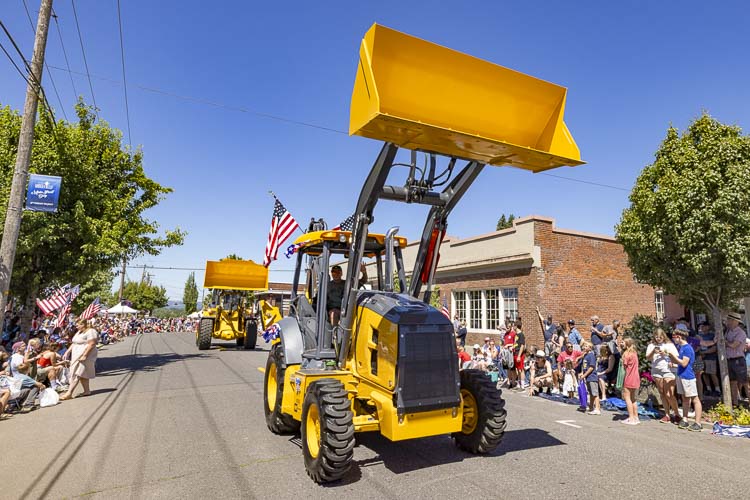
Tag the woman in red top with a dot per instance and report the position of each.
(632, 380)
(47, 364)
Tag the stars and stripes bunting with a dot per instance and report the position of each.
(92, 310)
(55, 300)
(291, 250)
(346, 225)
(282, 227)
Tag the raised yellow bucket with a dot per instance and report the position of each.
(426, 97)
(233, 274)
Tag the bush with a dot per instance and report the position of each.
(641, 329)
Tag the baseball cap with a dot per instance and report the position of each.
(571, 322)
(682, 327)
(476, 346)
(336, 268)
(17, 346)
(540, 354)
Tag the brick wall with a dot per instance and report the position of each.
(583, 275)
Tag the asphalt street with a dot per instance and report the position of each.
(168, 421)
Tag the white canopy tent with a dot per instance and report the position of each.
(194, 315)
(121, 309)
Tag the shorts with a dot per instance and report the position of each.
(710, 366)
(699, 365)
(687, 387)
(593, 388)
(737, 370)
(41, 373)
(666, 375)
(518, 360)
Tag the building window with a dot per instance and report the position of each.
(492, 303)
(510, 303)
(486, 309)
(475, 309)
(659, 301)
(459, 301)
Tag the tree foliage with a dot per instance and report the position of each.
(190, 295)
(505, 222)
(687, 230)
(144, 296)
(100, 219)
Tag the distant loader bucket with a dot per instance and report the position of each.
(232, 274)
(426, 97)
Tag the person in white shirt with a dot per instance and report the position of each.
(662, 371)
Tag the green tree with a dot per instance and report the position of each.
(144, 296)
(100, 218)
(687, 230)
(505, 222)
(190, 295)
(167, 312)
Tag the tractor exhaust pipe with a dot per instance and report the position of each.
(389, 256)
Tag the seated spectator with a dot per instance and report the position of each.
(4, 398)
(541, 374)
(48, 365)
(570, 354)
(605, 369)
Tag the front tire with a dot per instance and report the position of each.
(273, 392)
(483, 414)
(251, 334)
(205, 331)
(327, 431)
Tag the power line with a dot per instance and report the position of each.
(65, 54)
(31, 73)
(287, 120)
(124, 82)
(49, 73)
(85, 63)
(13, 62)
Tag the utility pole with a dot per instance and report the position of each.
(122, 279)
(23, 156)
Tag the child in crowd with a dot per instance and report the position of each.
(686, 382)
(605, 368)
(632, 381)
(589, 375)
(569, 379)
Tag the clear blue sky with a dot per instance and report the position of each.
(631, 68)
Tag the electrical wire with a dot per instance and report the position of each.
(65, 54)
(124, 81)
(85, 62)
(49, 73)
(13, 62)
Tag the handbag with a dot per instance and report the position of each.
(583, 394)
(620, 377)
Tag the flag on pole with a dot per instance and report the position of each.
(54, 301)
(62, 316)
(282, 227)
(92, 310)
(345, 225)
(445, 310)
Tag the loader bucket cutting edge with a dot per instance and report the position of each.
(422, 96)
(235, 275)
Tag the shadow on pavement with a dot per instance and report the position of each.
(117, 365)
(408, 456)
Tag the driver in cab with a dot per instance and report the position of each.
(336, 292)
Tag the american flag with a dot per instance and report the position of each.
(272, 333)
(92, 310)
(445, 310)
(54, 301)
(282, 227)
(62, 316)
(346, 225)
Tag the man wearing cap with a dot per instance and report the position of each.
(736, 338)
(686, 382)
(335, 292)
(20, 360)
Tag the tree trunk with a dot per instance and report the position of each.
(721, 347)
(29, 308)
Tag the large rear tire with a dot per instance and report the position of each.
(205, 331)
(327, 431)
(251, 334)
(273, 391)
(483, 413)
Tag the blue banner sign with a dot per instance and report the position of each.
(43, 193)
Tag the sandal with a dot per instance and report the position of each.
(65, 397)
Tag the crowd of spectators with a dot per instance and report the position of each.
(59, 359)
(682, 364)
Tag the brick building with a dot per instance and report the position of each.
(569, 274)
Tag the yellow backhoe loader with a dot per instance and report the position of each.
(390, 364)
(228, 315)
